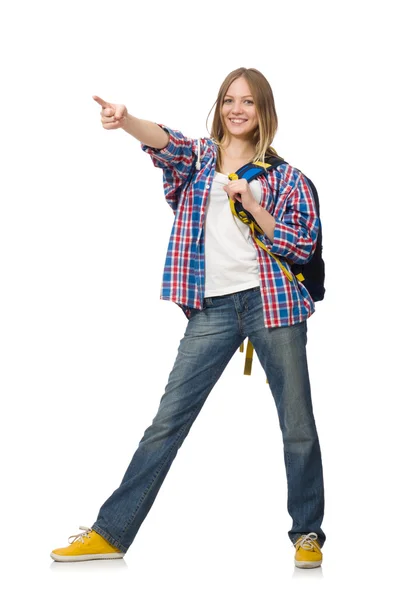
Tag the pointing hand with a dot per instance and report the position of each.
(113, 116)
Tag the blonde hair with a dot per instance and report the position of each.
(265, 108)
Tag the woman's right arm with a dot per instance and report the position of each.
(115, 116)
(169, 149)
(146, 132)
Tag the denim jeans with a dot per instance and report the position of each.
(212, 337)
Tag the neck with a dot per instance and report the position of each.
(238, 149)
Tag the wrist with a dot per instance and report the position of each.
(265, 220)
(257, 210)
(126, 122)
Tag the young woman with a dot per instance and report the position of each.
(230, 288)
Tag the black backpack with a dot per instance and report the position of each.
(311, 274)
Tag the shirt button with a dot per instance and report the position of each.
(208, 186)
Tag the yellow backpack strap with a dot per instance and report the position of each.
(254, 230)
(248, 358)
(255, 227)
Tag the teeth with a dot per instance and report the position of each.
(237, 120)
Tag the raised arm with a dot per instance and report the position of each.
(116, 116)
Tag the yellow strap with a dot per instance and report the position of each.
(254, 227)
(262, 164)
(280, 264)
(248, 358)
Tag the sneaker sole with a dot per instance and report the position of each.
(59, 558)
(308, 564)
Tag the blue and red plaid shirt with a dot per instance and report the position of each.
(188, 171)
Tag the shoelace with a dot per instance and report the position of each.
(79, 537)
(306, 542)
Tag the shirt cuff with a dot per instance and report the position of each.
(285, 240)
(170, 150)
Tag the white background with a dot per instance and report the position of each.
(86, 344)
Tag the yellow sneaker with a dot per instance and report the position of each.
(88, 545)
(308, 553)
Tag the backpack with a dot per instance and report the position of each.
(311, 274)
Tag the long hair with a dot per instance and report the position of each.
(265, 108)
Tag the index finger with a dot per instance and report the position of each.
(103, 103)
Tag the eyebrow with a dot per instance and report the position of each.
(249, 96)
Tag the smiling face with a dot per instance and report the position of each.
(238, 110)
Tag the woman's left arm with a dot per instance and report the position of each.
(294, 236)
(265, 220)
(239, 189)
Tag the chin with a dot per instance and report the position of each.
(244, 132)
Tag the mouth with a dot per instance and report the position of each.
(238, 121)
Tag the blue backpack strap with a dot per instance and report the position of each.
(252, 170)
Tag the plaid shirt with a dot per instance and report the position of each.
(188, 170)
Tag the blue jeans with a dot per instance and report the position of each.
(212, 337)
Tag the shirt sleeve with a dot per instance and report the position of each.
(178, 153)
(176, 160)
(295, 234)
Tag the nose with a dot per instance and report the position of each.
(236, 109)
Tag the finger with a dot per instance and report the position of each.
(115, 125)
(103, 103)
(119, 112)
(110, 119)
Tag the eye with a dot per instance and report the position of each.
(250, 101)
(227, 100)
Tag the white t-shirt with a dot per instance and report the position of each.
(230, 257)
